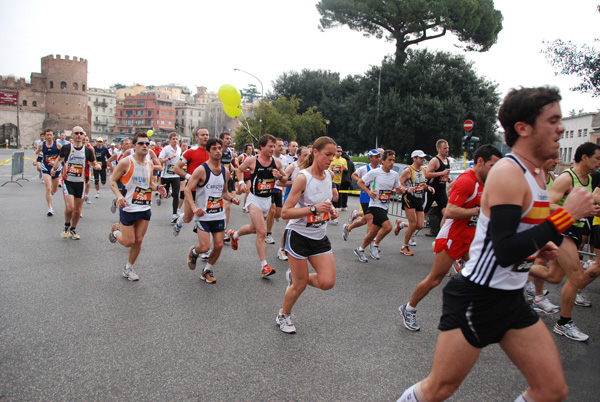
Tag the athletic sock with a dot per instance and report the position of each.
(375, 245)
(263, 263)
(194, 252)
(128, 265)
(563, 320)
(410, 308)
(180, 220)
(361, 249)
(236, 235)
(208, 267)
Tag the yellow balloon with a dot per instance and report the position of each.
(229, 95)
(232, 111)
(149, 133)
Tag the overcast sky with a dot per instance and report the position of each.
(199, 43)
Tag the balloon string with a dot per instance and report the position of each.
(248, 126)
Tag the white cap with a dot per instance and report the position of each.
(418, 153)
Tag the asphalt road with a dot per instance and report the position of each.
(71, 328)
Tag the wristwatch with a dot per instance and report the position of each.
(313, 209)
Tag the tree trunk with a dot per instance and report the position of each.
(400, 52)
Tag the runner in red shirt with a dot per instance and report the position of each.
(455, 237)
(192, 158)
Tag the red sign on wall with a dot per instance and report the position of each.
(8, 98)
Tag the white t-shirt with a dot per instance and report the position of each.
(167, 152)
(383, 184)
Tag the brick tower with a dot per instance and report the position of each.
(66, 93)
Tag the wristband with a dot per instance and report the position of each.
(188, 176)
(561, 220)
(241, 182)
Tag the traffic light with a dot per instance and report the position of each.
(472, 143)
(176, 126)
(465, 142)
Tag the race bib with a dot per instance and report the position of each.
(142, 196)
(264, 186)
(473, 221)
(74, 170)
(50, 159)
(337, 169)
(214, 205)
(318, 220)
(170, 169)
(385, 195)
(444, 179)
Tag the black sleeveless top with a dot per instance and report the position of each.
(439, 183)
(262, 180)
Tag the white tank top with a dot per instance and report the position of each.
(482, 268)
(137, 185)
(316, 191)
(209, 196)
(75, 165)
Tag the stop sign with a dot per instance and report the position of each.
(468, 125)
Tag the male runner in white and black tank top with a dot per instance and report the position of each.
(264, 171)
(485, 303)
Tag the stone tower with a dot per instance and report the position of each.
(66, 93)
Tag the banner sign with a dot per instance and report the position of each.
(8, 98)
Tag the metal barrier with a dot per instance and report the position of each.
(18, 160)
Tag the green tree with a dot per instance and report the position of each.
(407, 22)
(250, 93)
(281, 118)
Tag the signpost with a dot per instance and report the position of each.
(468, 125)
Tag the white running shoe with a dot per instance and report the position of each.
(409, 318)
(374, 251)
(50, 212)
(353, 216)
(282, 255)
(87, 200)
(545, 306)
(412, 241)
(176, 229)
(285, 323)
(345, 231)
(174, 218)
(97, 194)
(361, 255)
(269, 239)
(130, 274)
(288, 277)
(571, 331)
(582, 301)
(113, 206)
(206, 255)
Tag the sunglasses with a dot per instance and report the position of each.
(78, 133)
(142, 143)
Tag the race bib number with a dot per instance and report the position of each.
(385, 195)
(74, 170)
(525, 266)
(444, 179)
(50, 160)
(337, 169)
(170, 169)
(318, 220)
(264, 186)
(214, 205)
(142, 196)
(473, 221)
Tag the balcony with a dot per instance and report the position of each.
(100, 104)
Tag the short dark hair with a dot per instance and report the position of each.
(223, 134)
(264, 140)
(48, 130)
(387, 153)
(139, 134)
(486, 152)
(173, 134)
(213, 141)
(524, 105)
(587, 148)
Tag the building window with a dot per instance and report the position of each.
(199, 114)
(51, 84)
(579, 133)
(149, 113)
(24, 103)
(75, 86)
(157, 121)
(63, 85)
(83, 87)
(121, 113)
(163, 112)
(170, 113)
(34, 104)
(162, 122)
(570, 151)
(128, 122)
(585, 132)
(183, 112)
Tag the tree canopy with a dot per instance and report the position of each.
(407, 22)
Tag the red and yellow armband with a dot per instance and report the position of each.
(561, 220)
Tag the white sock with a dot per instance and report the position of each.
(194, 252)
(263, 263)
(208, 267)
(180, 220)
(236, 235)
(524, 397)
(410, 308)
(129, 266)
(409, 395)
(361, 249)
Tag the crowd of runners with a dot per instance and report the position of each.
(509, 224)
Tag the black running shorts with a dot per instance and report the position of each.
(302, 247)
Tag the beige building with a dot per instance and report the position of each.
(103, 104)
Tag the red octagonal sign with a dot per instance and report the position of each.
(468, 125)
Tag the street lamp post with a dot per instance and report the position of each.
(261, 99)
(327, 127)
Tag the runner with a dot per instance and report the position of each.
(115, 159)
(169, 156)
(248, 152)
(228, 159)
(413, 177)
(135, 172)
(292, 156)
(381, 184)
(438, 174)
(48, 152)
(277, 194)
(455, 237)
(308, 208)
(102, 155)
(485, 303)
(264, 171)
(209, 181)
(75, 156)
(338, 166)
(192, 158)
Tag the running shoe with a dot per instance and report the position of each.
(111, 236)
(174, 218)
(334, 222)
(361, 255)
(234, 241)
(226, 237)
(97, 194)
(353, 216)
(74, 234)
(192, 259)
(412, 241)
(245, 209)
(50, 212)
(343, 209)
(571, 331)
(374, 251)
(409, 318)
(130, 274)
(87, 200)
(399, 226)
(176, 229)
(267, 271)
(282, 255)
(65, 233)
(288, 277)
(586, 264)
(206, 255)
(285, 323)
(158, 200)
(208, 276)
(345, 231)
(406, 251)
(113, 206)
(269, 239)
(543, 305)
(582, 301)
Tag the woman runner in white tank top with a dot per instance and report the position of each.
(309, 207)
